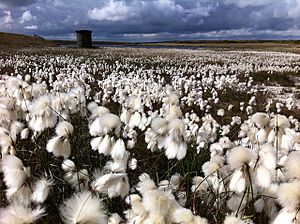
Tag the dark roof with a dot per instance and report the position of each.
(84, 31)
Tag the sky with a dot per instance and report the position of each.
(153, 20)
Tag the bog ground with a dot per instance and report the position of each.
(150, 136)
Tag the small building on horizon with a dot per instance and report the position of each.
(84, 38)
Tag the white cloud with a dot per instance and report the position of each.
(246, 3)
(225, 34)
(7, 20)
(294, 11)
(32, 27)
(145, 10)
(27, 17)
(112, 11)
(141, 35)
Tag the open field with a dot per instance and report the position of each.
(150, 135)
(287, 46)
(16, 41)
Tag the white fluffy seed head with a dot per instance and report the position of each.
(289, 194)
(159, 125)
(237, 182)
(105, 145)
(110, 123)
(20, 195)
(239, 156)
(95, 128)
(146, 183)
(68, 165)
(91, 106)
(41, 190)
(19, 214)
(175, 149)
(292, 165)
(287, 216)
(210, 167)
(15, 174)
(114, 219)
(83, 207)
(182, 215)
(262, 135)
(231, 219)
(132, 163)
(25, 133)
(121, 188)
(135, 120)
(104, 182)
(118, 149)
(263, 177)
(260, 119)
(15, 128)
(95, 142)
(280, 121)
(98, 111)
(176, 128)
(10, 162)
(59, 146)
(267, 155)
(174, 112)
(64, 128)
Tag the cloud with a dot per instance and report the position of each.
(294, 10)
(247, 3)
(156, 10)
(27, 17)
(15, 3)
(6, 21)
(112, 11)
(141, 35)
(156, 19)
(32, 27)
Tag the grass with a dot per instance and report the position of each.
(276, 78)
(16, 41)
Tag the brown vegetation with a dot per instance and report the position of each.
(14, 41)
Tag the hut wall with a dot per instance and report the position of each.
(84, 39)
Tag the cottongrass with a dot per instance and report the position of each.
(19, 214)
(260, 119)
(287, 216)
(41, 190)
(185, 216)
(289, 194)
(114, 219)
(239, 156)
(231, 219)
(254, 162)
(83, 207)
(113, 184)
(15, 174)
(292, 165)
(157, 206)
(59, 146)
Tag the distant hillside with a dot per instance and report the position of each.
(10, 40)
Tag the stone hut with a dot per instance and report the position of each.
(84, 38)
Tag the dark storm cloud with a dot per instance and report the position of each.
(190, 17)
(156, 19)
(16, 3)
